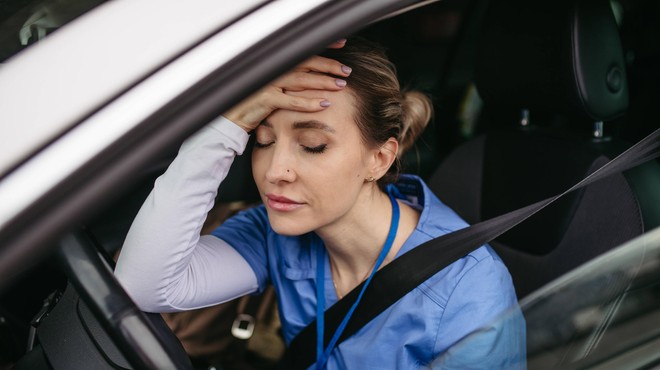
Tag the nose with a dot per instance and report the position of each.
(281, 166)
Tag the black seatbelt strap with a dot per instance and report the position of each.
(414, 267)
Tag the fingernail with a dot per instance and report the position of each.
(341, 41)
(340, 83)
(346, 69)
(325, 103)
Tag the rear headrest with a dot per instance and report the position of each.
(562, 56)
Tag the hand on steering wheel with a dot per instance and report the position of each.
(315, 73)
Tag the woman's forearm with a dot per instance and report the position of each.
(164, 265)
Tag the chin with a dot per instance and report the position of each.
(288, 226)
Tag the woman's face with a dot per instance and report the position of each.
(310, 167)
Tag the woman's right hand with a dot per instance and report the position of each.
(313, 74)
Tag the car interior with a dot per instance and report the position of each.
(525, 107)
(577, 82)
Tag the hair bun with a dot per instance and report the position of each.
(417, 112)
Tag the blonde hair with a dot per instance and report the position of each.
(383, 110)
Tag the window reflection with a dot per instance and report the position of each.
(23, 23)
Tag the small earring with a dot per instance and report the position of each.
(371, 179)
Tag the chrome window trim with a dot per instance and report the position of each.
(34, 178)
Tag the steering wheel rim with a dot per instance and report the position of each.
(130, 329)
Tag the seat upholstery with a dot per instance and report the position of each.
(561, 61)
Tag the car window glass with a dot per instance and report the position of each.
(602, 314)
(24, 22)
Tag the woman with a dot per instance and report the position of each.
(327, 139)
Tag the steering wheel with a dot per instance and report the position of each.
(145, 342)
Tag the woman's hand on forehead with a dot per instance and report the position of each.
(316, 73)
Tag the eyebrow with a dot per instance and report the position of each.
(313, 124)
(299, 125)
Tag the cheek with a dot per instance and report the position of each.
(338, 176)
(338, 165)
(258, 165)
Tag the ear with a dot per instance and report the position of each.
(383, 158)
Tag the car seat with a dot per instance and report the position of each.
(552, 77)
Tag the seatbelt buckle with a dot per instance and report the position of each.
(243, 326)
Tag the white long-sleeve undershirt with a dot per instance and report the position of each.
(164, 264)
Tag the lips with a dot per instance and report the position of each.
(281, 203)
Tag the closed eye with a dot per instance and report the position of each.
(315, 149)
(263, 145)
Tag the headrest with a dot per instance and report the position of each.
(562, 56)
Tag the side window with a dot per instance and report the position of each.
(606, 313)
(23, 23)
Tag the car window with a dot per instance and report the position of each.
(602, 315)
(23, 23)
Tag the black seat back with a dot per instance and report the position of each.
(561, 63)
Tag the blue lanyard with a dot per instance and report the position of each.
(321, 354)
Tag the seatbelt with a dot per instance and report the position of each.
(414, 267)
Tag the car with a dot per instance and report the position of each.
(96, 97)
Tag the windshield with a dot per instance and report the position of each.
(24, 22)
(605, 313)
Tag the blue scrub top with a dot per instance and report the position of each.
(460, 301)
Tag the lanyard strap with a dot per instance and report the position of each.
(321, 353)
